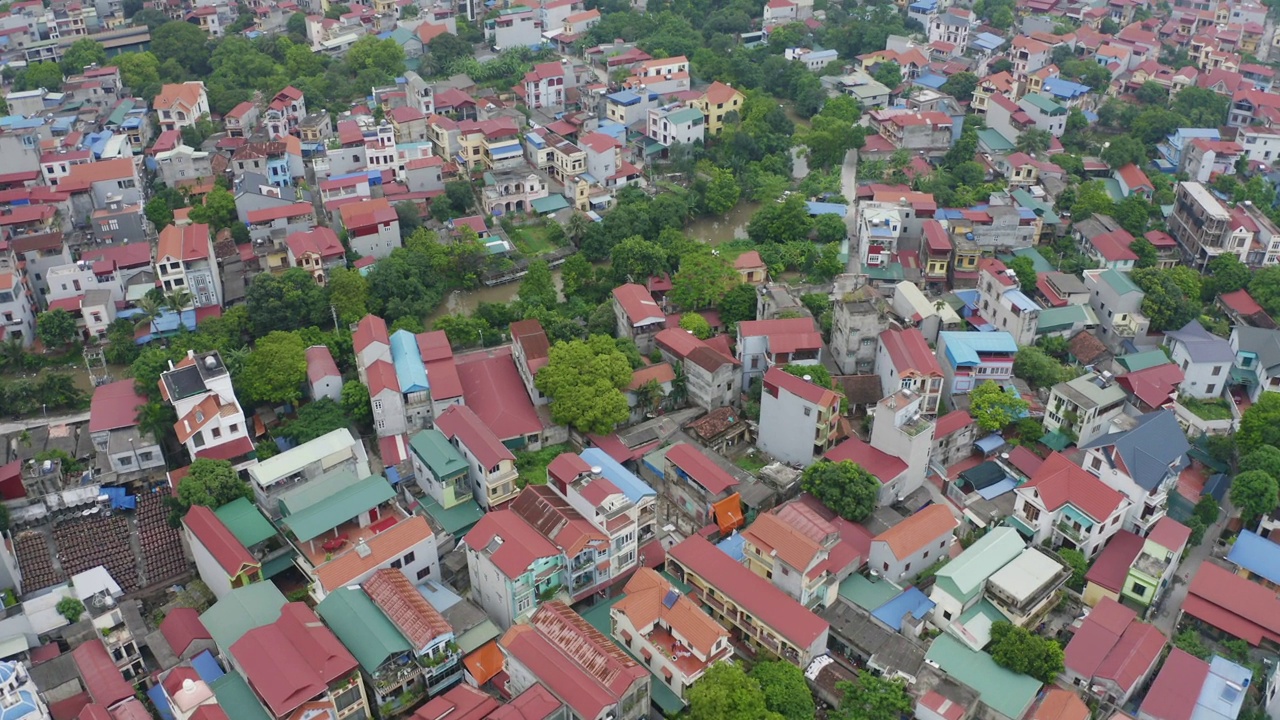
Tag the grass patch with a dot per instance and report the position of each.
(533, 240)
(532, 465)
(752, 462)
(1208, 410)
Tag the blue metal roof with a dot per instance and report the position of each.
(734, 547)
(963, 347)
(156, 694)
(986, 41)
(1223, 691)
(410, 372)
(439, 595)
(1257, 555)
(1059, 87)
(990, 443)
(908, 602)
(1021, 301)
(930, 80)
(633, 487)
(821, 208)
(624, 97)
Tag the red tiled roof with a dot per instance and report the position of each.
(322, 241)
(518, 545)
(776, 378)
(381, 377)
(759, 597)
(239, 447)
(1133, 177)
(370, 329)
(942, 706)
(1161, 239)
(749, 260)
(647, 601)
(320, 364)
(388, 544)
(280, 212)
(101, 676)
(218, 540)
(181, 627)
(910, 352)
(93, 711)
(883, 466)
(460, 422)
(1060, 704)
(492, 388)
(1241, 302)
(1176, 689)
(637, 303)
(186, 243)
(1097, 635)
(461, 702)
(660, 373)
(83, 176)
(1233, 604)
(1169, 534)
(1133, 656)
(292, 660)
(1114, 246)
(700, 468)
(129, 255)
(1060, 481)
(951, 422)
(405, 607)
(533, 341)
(1155, 385)
(567, 467)
(442, 371)
(1112, 566)
(114, 405)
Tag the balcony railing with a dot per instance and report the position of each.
(1070, 531)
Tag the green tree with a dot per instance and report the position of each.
(829, 228)
(1038, 368)
(1133, 214)
(785, 690)
(702, 281)
(696, 324)
(1023, 652)
(1034, 141)
(584, 379)
(722, 192)
(1025, 268)
(314, 420)
(872, 697)
(55, 328)
(185, 44)
(738, 304)
(1124, 150)
(348, 294)
(70, 608)
(211, 483)
(816, 374)
(1255, 494)
(1167, 303)
(726, 692)
(1079, 565)
(297, 25)
(287, 301)
(1264, 287)
(1188, 641)
(635, 260)
(462, 330)
(783, 222)
(276, 369)
(218, 210)
(994, 407)
(45, 75)
(1152, 93)
(960, 86)
(82, 53)
(1146, 252)
(538, 288)
(888, 74)
(159, 213)
(843, 486)
(355, 402)
(1225, 274)
(1265, 458)
(371, 57)
(406, 212)
(1260, 425)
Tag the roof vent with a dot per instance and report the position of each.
(363, 550)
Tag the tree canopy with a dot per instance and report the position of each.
(1255, 493)
(584, 379)
(1260, 425)
(276, 369)
(211, 483)
(702, 281)
(1021, 651)
(843, 486)
(726, 692)
(994, 407)
(872, 697)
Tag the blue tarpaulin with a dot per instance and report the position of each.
(990, 443)
(156, 693)
(119, 499)
(392, 475)
(207, 667)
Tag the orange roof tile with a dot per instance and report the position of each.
(383, 547)
(918, 530)
(486, 662)
(773, 536)
(646, 602)
(407, 609)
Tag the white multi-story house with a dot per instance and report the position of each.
(372, 348)
(959, 591)
(185, 261)
(279, 474)
(511, 566)
(113, 427)
(969, 359)
(17, 306)
(639, 316)
(798, 419)
(656, 621)
(1003, 304)
(1117, 302)
(1205, 359)
(901, 441)
(904, 360)
(285, 111)
(1084, 407)
(211, 423)
(905, 550)
(1069, 507)
(1141, 458)
(181, 105)
(675, 124)
(711, 377)
(763, 344)
(490, 465)
(21, 698)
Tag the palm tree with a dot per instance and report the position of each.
(12, 351)
(149, 308)
(679, 388)
(178, 300)
(648, 396)
(576, 227)
(156, 419)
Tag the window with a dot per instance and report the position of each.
(784, 570)
(1096, 463)
(197, 440)
(886, 567)
(395, 564)
(377, 405)
(1138, 589)
(233, 427)
(1217, 370)
(348, 698)
(126, 460)
(409, 558)
(946, 614)
(424, 573)
(926, 554)
(1210, 389)
(146, 456)
(808, 412)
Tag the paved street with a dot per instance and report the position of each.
(1190, 565)
(39, 420)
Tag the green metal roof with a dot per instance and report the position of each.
(1133, 362)
(685, 115)
(316, 490)
(246, 522)
(1038, 263)
(242, 610)
(455, 520)
(1112, 186)
(1042, 209)
(1119, 281)
(1055, 441)
(889, 271)
(993, 140)
(438, 454)
(1007, 692)
(277, 565)
(962, 578)
(122, 110)
(1044, 103)
(471, 640)
(866, 594)
(1060, 318)
(663, 696)
(549, 204)
(339, 507)
(362, 627)
(236, 698)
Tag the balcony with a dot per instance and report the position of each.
(1070, 531)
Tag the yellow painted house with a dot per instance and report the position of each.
(717, 101)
